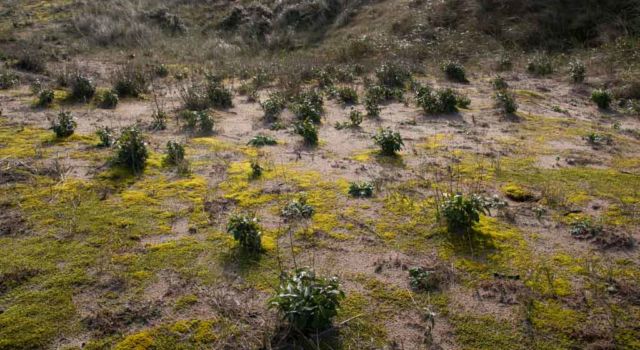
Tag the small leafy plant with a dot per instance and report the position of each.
(273, 106)
(175, 153)
(361, 189)
(219, 96)
(424, 280)
(347, 95)
(454, 71)
(506, 101)
(355, 119)
(585, 229)
(45, 97)
(262, 140)
(309, 303)
(540, 65)
(393, 75)
(577, 71)
(65, 125)
(82, 88)
(205, 123)
(499, 83)
(105, 134)
(436, 102)
(130, 81)
(158, 120)
(108, 99)
(8, 79)
(308, 105)
(602, 98)
(131, 149)
(596, 139)
(246, 230)
(298, 209)
(461, 212)
(308, 131)
(256, 170)
(389, 141)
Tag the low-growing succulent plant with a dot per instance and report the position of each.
(602, 98)
(461, 212)
(361, 189)
(246, 230)
(454, 71)
(65, 125)
(262, 140)
(309, 303)
(131, 149)
(389, 141)
(298, 209)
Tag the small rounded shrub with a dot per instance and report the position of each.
(205, 122)
(347, 95)
(506, 101)
(161, 71)
(175, 153)
(437, 102)
(298, 209)
(602, 98)
(461, 212)
(130, 81)
(65, 125)
(499, 83)
(361, 189)
(82, 88)
(108, 99)
(540, 65)
(131, 149)
(246, 230)
(308, 131)
(256, 170)
(355, 118)
(577, 71)
(105, 134)
(454, 71)
(309, 303)
(308, 105)
(45, 97)
(273, 106)
(393, 75)
(8, 79)
(389, 141)
(262, 140)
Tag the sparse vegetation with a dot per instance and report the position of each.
(307, 302)
(246, 230)
(105, 135)
(355, 119)
(130, 81)
(273, 106)
(8, 79)
(393, 75)
(347, 95)
(499, 83)
(107, 99)
(175, 153)
(506, 102)
(540, 65)
(308, 105)
(298, 209)
(436, 101)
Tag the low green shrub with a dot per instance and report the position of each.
(256, 170)
(602, 98)
(219, 96)
(436, 101)
(298, 209)
(105, 135)
(389, 141)
(499, 83)
(262, 140)
(107, 99)
(8, 79)
(205, 123)
(596, 139)
(454, 71)
(361, 189)
(161, 71)
(45, 97)
(586, 229)
(308, 131)
(31, 62)
(424, 280)
(577, 71)
(347, 95)
(246, 230)
(506, 101)
(131, 81)
(65, 125)
(175, 153)
(393, 75)
(309, 303)
(308, 105)
(159, 120)
(273, 106)
(82, 88)
(131, 149)
(461, 212)
(355, 119)
(540, 65)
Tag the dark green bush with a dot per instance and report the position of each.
(347, 95)
(161, 71)
(33, 62)
(273, 106)
(298, 209)
(307, 302)
(256, 170)
(308, 131)
(205, 122)
(454, 71)
(262, 140)
(45, 97)
(131, 149)
(436, 102)
(308, 105)
(82, 88)
(361, 189)
(218, 95)
(246, 230)
(393, 75)
(461, 212)
(201, 96)
(131, 81)
(499, 83)
(506, 101)
(107, 99)
(175, 153)
(389, 141)
(8, 79)
(602, 98)
(158, 120)
(65, 125)
(105, 134)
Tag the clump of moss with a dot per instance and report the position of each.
(517, 193)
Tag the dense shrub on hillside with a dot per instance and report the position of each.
(505, 101)
(8, 79)
(82, 88)
(347, 95)
(308, 105)
(308, 131)
(602, 98)
(309, 303)
(389, 141)
(107, 99)
(454, 71)
(200, 96)
(393, 75)
(131, 149)
(273, 106)
(577, 71)
(45, 97)
(65, 125)
(461, 212)
(437, 101)
(540, 64)
(130, 81)
(246, 230)
(175, 153)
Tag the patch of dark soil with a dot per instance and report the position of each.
(110, 321)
